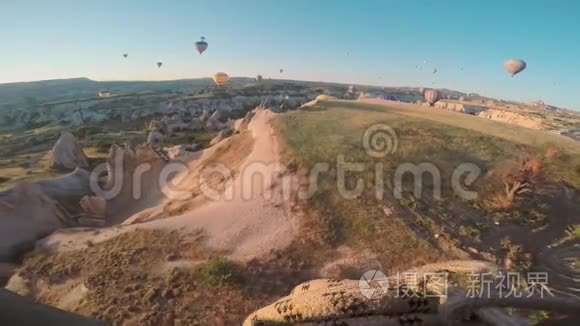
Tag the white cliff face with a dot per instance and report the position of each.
(513, 115)
(513, 118)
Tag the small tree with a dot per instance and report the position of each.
(520, 181)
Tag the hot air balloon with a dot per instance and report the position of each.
(281, 70)
(431, 96)
(421, 90)
(514, 66)
(159, 64)
(201, 45)
(220, 78)
(125, 55)
(425, 61)
(324, 97)
(435, 70)
(259, 78)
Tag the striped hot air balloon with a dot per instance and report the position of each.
(201, 45)
(514, 66)
(431, 96)
(220, 78)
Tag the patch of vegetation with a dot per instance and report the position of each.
(573, 231)
(515, 257)
(203, 138)
(219, 271)
(470, 232)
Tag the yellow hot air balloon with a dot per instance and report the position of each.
(220, 78)
(324, 97)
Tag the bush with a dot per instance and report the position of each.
(470, 232)
(219, 271)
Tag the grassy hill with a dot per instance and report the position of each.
(417, 227)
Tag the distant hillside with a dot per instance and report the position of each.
(32, 94)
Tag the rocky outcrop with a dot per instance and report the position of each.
(155, 138)
(204, 116)
(67, 153)
(70, 187)
(94, 207)
(29, 217)
(154, 125)
(516, 118)
(180, 151)
(132, 182)
(459, 107)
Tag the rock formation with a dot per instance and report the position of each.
(32, 215)
(67, 153)
(155, 138)
(94, 211)
(71, 187)
(204, 116)
(132, 182)
(179, 151)
(459, 107)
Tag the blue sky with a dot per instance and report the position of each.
(386, 39)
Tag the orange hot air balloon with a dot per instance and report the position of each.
(220, 78)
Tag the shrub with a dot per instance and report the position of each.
(470, 232)
(516, 180)
(219, 271)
